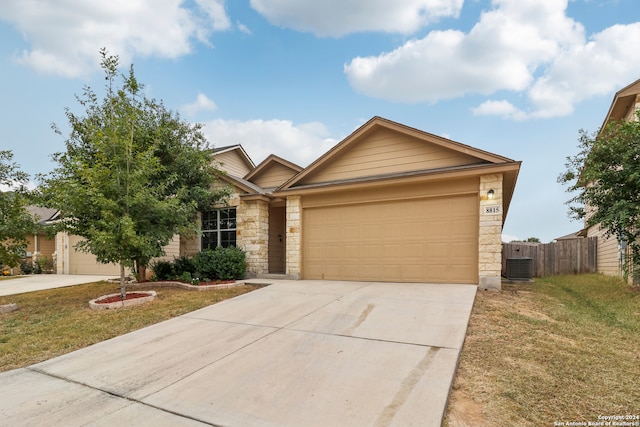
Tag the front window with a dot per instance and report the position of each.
(218, 228)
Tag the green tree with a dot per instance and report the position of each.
(605, 178)
(133, 175)
(15, 220)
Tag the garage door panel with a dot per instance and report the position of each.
(425, 240)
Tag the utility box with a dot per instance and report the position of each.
(520, 268)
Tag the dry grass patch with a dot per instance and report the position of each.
(564, 349)
(57, 321)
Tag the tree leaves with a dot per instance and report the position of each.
(15, 221)
(605, 176)
(133, 174)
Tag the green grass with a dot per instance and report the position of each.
(564, 349)
(57, 321)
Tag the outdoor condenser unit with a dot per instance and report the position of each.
(520, 268)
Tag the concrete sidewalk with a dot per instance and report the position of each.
(296, 353)
(39, 282)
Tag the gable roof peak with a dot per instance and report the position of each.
(240, 149)
(378, 122)
(622, 101)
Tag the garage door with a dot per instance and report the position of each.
(85, 263)
(424, 240)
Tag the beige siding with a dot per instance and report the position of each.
(31, 246)
(41, 245)
(46, 246)
(392, 193)
(232, 163)
(385, 151)
(608, 254)
(273, 176)
(171, 251)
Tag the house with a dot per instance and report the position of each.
(611, 253)
(40, 245)
(578, 235)
(388, 203)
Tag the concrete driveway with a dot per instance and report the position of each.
(296, 353)
(39, 282)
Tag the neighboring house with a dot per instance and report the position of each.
(388, 203)
(611, 253)
(39, 245)
(578, 235)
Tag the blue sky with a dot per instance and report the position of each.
(518, 78)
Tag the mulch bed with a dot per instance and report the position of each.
(203, 286)
(116, 298)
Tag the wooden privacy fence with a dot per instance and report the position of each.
(562, 257)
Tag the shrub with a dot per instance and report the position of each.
(184, 264)
(217, 264)
(163, 270)
(185, 277)
(46, 264)
(26, 267)
(229, 263)
(205, 263)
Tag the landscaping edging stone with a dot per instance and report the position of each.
(186, 286)
(8, 308)
(94, 305)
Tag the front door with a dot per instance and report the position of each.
(277, 240)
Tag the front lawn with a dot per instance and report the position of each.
(57, 321)
(563, 350)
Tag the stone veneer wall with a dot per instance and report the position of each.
(294, 240)
(252, 234)
(490, 239)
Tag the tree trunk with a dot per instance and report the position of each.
(123, 286)
(141, 270)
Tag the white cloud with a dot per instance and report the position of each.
(214, 9)
(600, 66)
(202, 103)
(65, 35)
(243, 28)
(520, 46)
(300, 144)
(501, 108)
(336, 18)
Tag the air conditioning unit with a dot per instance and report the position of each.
(520, 268)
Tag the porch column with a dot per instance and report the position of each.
(490, 230)
(252, 234)
(61, 253)
(294, 240)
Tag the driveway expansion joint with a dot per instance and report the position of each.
(117, 395)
